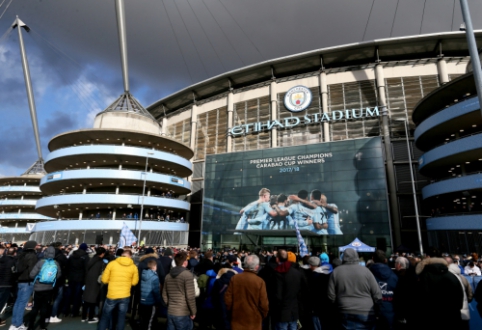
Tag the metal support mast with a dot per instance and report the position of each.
(28, 83)
(474, 54)
(121, 26)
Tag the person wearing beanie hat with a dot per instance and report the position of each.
(232, 260)
(325, 263)
(291, 257)
(83, 246)
(26, 261)
(354, 296)
(76, 269)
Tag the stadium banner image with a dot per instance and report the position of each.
(335, 190)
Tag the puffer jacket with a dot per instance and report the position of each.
(150, 289)
(25, 263)
(179, 293)
(48, 254)
(121, 274)
(7, 270)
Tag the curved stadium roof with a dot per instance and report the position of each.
(427, 46)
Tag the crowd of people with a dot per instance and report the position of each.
(233, 290)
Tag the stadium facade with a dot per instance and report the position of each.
(119, 172)
(356, 91)
(449, 132)
(18, 197)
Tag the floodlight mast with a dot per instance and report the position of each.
(28, 83)
(474, 54)
(121, 26)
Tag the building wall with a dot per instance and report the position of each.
(405, 84)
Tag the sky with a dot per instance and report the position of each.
(74, 59)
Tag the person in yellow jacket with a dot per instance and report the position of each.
(120, 274)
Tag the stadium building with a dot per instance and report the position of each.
(449, 132)
(119, 172)
(344, 104)
(18, 196)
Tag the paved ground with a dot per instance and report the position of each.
(69, 323)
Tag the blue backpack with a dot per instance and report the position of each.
(48, 273)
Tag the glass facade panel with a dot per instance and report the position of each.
(211, 133)
(249, 112)
(356, 95)
(181, 131)
(402, 96)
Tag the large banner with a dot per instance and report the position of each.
(334, 188)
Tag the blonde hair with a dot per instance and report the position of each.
(264, 191)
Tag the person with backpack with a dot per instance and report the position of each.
(7, 277)
(44, 274)
(25, 263)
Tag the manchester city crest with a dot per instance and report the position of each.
(298, 98)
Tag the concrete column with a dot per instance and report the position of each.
(164, 126)
(230, 105)
(443, 75)
(113, 215)
(16, 224)
(84, 191)
(120, 167)
(80, 215)
(148, 191)
(117, 190)
(193, 126)
(274, 112)
(324, 105)
(392, 188)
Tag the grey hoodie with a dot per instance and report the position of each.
(353, 287)
(48, 254)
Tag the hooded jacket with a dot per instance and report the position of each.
(178, 292)
(353, 287)
(438, 292)
(150, 289)
(48, 254)
(387, 280)
(121, 274)
(77, 266)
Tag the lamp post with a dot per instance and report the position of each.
(412, 181)
(143, 194)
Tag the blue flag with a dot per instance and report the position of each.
(301, 241)
(126, 236)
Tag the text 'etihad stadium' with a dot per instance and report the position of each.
(291, 122)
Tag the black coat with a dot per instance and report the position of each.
(78, 262)
(166, 263)
(63, 262)
(286, 298)
(7, 268)
(25, 263)
(92, 285)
